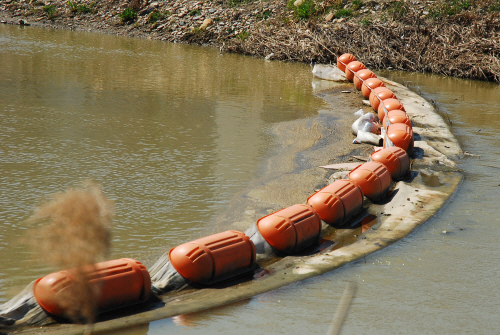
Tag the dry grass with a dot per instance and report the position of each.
(465, 45)
(74, 233)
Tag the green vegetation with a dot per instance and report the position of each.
(80, 8)
(306, 9)
(234, 3)
(344, 12)
(194, 12)
(156, 16)
(357, 4)
(448, 8)
(263, 15)
(398, 10)
(128, 15)
(51, 11)
(337, 4)
(365, 22)
(243, 35)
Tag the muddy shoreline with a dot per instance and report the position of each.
(416, 36)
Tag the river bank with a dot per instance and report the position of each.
(457, 38)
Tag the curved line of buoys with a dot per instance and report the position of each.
(220, 256)
(118, 283)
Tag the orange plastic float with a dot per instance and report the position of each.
(396, 116)
(215, 257)
(352, 68)
(374, 179)
(338, 201)
(343, 60)
(395, 159)
(361, 76)
(291, 229)
(369, 85)
(121, 282)
(399, 135)
(388, 105)
(379, 94)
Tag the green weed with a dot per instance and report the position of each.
(448, 8)
(194, 12)
(398, 10)
(344, 12)
(366, 22)
(128, 15)
(243, 35)
(155, 16)
(263, 15)
(357, 4)
(51, 11)
(304, 11)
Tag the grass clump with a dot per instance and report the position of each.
(398, 10)
(304, 11)
(357, 4)
(80, 8)
(155, 16)
(344, 12)
(128, 15)
(194, 12)
(243, 35)
(449, 8)
(264, 15)
(51, 11)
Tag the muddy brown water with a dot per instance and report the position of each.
(175, 133)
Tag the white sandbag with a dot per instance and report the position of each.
(328, 72)
(367, 122)
(369, 138)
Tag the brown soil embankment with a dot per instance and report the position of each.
(456, 38)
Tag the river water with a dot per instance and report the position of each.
(167, 127)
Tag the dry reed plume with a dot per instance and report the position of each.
(74, 233)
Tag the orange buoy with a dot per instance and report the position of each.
(395, 159)
(373, 178)
(369, 85)
(343, 60)
(396, 116)
(399, 135)
(379, 94)
(338, 201)
(291, 229)
(361, 76)
(215, 257)
(352, 68)
(388, 105)
(120, 283)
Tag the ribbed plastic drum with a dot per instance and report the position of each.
(352, 68)
(373, 178)
(369, 85)
(399, 135)
(214, 258)
(395, 159)
(361, 76)
(343, 60)
(291, 229)
(338, 201)
(388, 105)
(379, 94)
(120, 283)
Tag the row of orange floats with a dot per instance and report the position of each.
(390, 110)
(220, 256)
